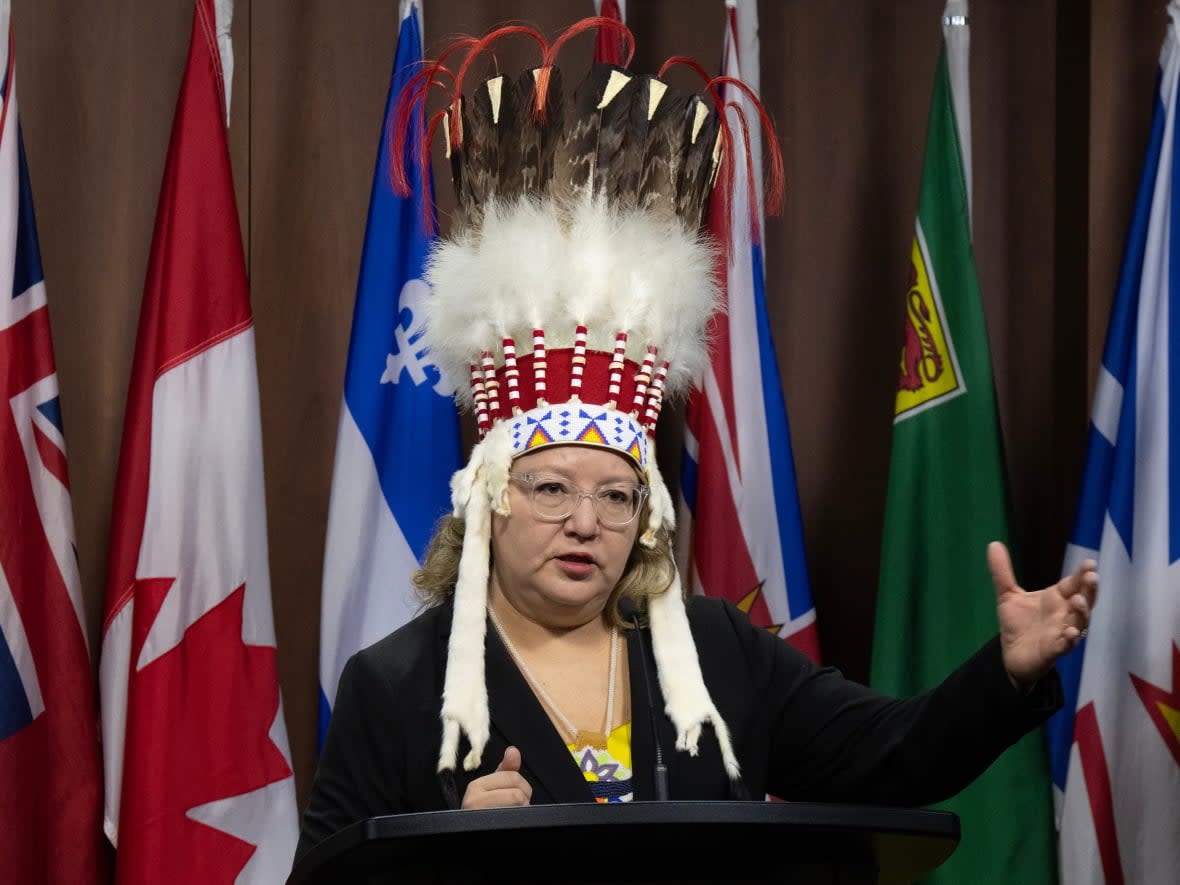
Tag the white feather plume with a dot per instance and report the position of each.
(535, 265)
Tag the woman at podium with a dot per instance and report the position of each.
(558, 657)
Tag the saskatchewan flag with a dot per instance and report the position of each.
(947, 498)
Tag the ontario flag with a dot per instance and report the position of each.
(198, 773)
(398, 440)
(739, 502)
(51, 799)
(1115, 747)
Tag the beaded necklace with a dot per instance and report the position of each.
(580, 738)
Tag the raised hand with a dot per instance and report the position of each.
(1038, 627)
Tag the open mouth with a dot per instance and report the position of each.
(583, 558)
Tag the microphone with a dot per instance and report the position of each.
(628, 611)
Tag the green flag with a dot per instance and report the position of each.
(947, 499)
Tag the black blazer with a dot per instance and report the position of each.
(801, 732)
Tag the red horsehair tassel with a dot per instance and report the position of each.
(511, 375)
(540, 363)
(642, 378)
(656, 400)
(616, 369)
(492, 383)
(578, 363)
(480, 395)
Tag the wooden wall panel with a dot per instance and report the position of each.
(1015, 87)
(1124, 66)
(850, 91)
(321, 73)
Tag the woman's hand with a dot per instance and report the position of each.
(1039, 627)
(504, 787)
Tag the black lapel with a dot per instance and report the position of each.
(522, 722)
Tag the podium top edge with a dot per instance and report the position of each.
(882, 819)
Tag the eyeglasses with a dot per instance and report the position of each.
(554, 498)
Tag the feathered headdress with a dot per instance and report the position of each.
(574, 291)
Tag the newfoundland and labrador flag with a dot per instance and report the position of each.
(198, 772)
(1116, 745)
(740, 530)
(947, 496)
(50, 777)
(398, 439)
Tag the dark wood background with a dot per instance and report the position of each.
(1061, 96)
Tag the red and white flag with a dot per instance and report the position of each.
(740, 529)
(198, 774)
(50, 778)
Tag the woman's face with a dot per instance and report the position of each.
(561, 573)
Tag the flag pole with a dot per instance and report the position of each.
(5, 21)
(956, 32)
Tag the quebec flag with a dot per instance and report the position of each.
(1115, 747)
(398, 441)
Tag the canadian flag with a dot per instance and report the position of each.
(199, 786)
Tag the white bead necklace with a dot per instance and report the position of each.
(580, 738)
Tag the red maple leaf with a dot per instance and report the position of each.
(197, 730)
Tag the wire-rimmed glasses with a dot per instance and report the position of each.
(554, 498)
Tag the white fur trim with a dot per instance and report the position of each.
(497, 458)
(661, 510)
(476, 490)
(485, 473)
(687, 700)
(465, 694)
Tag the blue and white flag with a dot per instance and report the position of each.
(398, 442)
(1115, 747)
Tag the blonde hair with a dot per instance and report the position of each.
(649, 572)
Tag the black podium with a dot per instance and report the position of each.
(635, 842)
